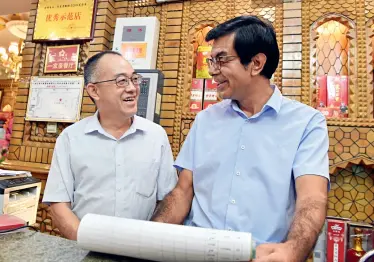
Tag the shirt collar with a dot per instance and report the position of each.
(93, 124)
(274, 102)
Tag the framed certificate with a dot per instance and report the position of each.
(55, 99)
(64, 20)
(61, 59)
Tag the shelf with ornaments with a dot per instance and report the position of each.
(360, 240)
(333, 74)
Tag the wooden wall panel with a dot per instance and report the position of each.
(9, 91)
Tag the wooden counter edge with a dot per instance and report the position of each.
(25, 166)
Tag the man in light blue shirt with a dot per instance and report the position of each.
(112, 163)
(257, 161)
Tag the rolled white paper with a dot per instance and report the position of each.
(162, 242)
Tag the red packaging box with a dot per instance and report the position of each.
(336, 240)
(337, 91)
(210, 93)
(196, 97)
(322, 91)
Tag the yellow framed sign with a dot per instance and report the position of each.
(64, 20)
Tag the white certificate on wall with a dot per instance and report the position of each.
(55, 99)
(136, 38)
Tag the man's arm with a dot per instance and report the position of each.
(65, 220)
(310, 214)
(177, 204)
(59, 190)
(311, 174)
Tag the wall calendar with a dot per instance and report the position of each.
(55, 99)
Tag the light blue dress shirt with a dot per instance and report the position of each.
(100, 174)
(244, 168)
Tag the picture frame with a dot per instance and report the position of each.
(64, 20)
(62, 59)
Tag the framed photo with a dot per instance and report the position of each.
(66, 20)
(61, 59)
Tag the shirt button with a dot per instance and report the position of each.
(238, 173)
(118, 189)
(242, 147)
(233, 201)
(229, 229)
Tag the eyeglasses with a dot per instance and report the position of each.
(123, 81)
(217, 62)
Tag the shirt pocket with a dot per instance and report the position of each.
(147, 173)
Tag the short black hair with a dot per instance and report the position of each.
(252, 36)
(91, 65)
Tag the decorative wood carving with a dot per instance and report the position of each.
(370, 68)
(351, 10)
(350, 145)
(351, 66)
(351, 194)
(161, 40)
(9, 89)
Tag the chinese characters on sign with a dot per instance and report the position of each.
(61, 17)
(64, 20)
(134, 50)
(62, 59)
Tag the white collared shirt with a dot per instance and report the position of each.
(100, 174)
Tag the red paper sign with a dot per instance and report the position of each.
(196, 97)
(336, 240)
(61, 59)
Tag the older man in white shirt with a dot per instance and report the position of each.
(114, 162)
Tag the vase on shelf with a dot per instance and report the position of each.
(356, 251)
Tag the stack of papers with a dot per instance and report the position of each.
(13, 173)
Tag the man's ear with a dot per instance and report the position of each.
(259, 62)
(92, 91)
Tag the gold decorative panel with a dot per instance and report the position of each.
(320, 8)
(148, 11)
(207, 10)
(350, 13)
(262, 8)
(350, 145)
(369, 25)
(370, 67)
(186, 126)
(352, 194)
(332, 50)
(369, 10)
